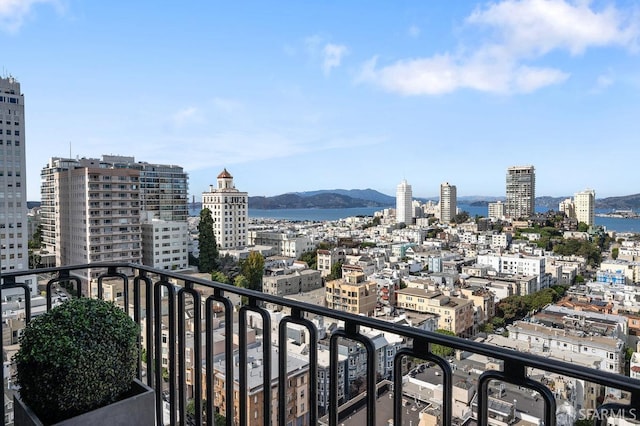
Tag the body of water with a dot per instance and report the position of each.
(611, 223)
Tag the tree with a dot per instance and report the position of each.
(440, 350)
(310, 258)
(336, 271)
(241, 281)
(219, 277)
(461, 217)
(207, 242)
(253, 269)
(583, 227)
(614, 253)
(36, 240)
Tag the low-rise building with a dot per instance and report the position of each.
(352, 293)
(454, 314)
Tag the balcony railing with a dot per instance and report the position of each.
(171, 303)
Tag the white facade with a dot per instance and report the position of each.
(404, 209)
(284, 242)
(521, 192)
(165, 244)
(13, 182)
(496, 210)
(547, 339)
(585, 204)
(516, 265)
(229, 210)
(448, 202)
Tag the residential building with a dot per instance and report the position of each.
(229, 210)
(163, 188)
(448, 202)
(585, 205)
(520, 191)
(297, 388)
(286, 243)
(92, 212)
(404, 207)
(327, 258)
(285, 281)
(517, 265)
(92, 208)
(496, 210)
(13, 183)
(164, 243)
(454, 314)
(567, 207)
(352, 294)
(323, 382)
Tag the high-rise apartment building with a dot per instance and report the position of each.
(229, 210)
(404, 207)
(92, 209)
(585, 205)
(448, 202)
(521, 192)
(163, 188)
(92, 213)
(13, 185)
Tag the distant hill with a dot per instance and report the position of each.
(361, 194)
(321, 200)
(625, 202)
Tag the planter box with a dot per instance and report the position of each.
(138, 409)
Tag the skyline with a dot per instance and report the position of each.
(300, 97)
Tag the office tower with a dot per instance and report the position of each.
(521, 192)
(448, 202)
(584, 205)
(404, 209)
(14, 251)
(229, 210)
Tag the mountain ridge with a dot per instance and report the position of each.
(346, 198)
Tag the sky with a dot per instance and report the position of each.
(295, 96)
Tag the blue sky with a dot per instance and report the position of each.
(295, 96)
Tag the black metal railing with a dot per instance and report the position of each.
(164, 300)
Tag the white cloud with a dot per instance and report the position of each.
(414, 31)
(185, 116)
(521, 33)
(14, 12)
(333, 54)
(443, 74)
(330, 55)
(536, 27)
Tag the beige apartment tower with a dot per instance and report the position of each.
(229, 210)
(90, 213)
(585, 206)
(520, 191)
(448, 202)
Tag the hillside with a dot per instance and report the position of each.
(361, 194)
(625, 202)
(321, 200)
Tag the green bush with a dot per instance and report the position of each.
(79, 356)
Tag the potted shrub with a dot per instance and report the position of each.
(79, 357)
